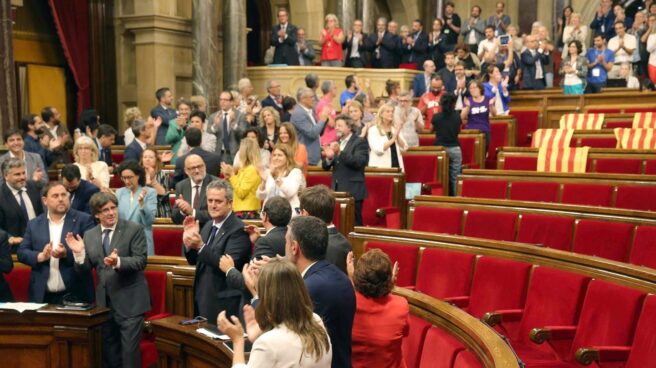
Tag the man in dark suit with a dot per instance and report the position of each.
(191, 192)
(20, 201)
(53, 273)
(117, 250)
(6, 265)
(417, 44)
(230, 120)
(141, 135)
(283, 38)
(80, 190)
(104, 139)
(355, 47)
(421, 82)
(330, 289)
(348, 158)
(534, 62)
(386, 45)
(165, 111)
(212, 161)
(275, 97)
(224, 235)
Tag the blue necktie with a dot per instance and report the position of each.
(226, 134)
(22, 204)
(213, 232)
(105, 241)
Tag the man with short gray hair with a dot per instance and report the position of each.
(309, 128)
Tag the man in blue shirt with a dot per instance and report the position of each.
(352, 89)
(600, 62)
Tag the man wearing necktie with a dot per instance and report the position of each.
(227, 124)
(283, 39)
(19, 201)
(223, 235)
(116, 249)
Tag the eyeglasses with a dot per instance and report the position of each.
(126, 178)
(194, 168)
(404, 101)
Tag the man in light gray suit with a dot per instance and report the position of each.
(305, 49)
(35, 170)
(308, 128)
(230, 119)
(117, 250)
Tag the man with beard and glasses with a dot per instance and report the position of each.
(429, 103)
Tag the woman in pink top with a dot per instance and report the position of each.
(331, 41)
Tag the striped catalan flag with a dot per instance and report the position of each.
(642, 120)
(554, 138)
(582, 121)
(635, 138)
(572, 160)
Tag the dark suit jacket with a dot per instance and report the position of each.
(167, 114)
(125, 287)
(348, 168)
(211, 159)
(6, 265)
(436, 51)
(334, 301)
(529, 69)
(82, 196)
(285, 52)
(419, 51)
(184, 189)
(36, 237)
(12, 218)
(133, 151)
(419, 85)
(338, 248)
(268, 101)
(263, 134)
(363, 50)
(104, 154)
(390, 51)
(211, 291)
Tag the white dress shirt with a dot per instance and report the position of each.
(18, 193)
(55, 282)
(79, 257)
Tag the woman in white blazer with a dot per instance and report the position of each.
(86, 155)
(284, 331)
(282, 179)
(385, 140)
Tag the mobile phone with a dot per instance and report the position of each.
(503, 40)
(194, 321)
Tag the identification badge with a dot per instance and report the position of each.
(596, 72)
(447, 31)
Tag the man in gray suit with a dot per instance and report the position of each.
(36, 172)
(191, 192)
(227, 119)
(117, 250)
(308, 128)
(305, 49)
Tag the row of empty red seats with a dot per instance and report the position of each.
(517, 297)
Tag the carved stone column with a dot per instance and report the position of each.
(9, 105)
(368, 16)
(346, 12)
(206, 80)
(234, 42)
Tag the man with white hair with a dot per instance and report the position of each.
(309, 128)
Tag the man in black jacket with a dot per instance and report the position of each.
(385, 45)
(348, 158)
(165, 111)
(283, 38)
(80, 190)
(212, 160)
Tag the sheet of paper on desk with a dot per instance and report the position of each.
(22, 307)
(212, 335)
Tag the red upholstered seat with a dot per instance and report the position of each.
(468, 148)
(526, 123)
(337, 216)
(312, 179)
(636, 197)
(550, 231)
(444, 274)
(490, 225)
(610, 240)
(534, 191)
(116, 181)
(117, 156)
(167, 240)
(520, 163)
(631, 110)
(149, 355)
(381, 191)
(617, 166)
(587, 194)
(405, 255)
(498, 284)
(157, 285)
(19, 281)
(605, 110)
(597, 142)
(498, 139)
(467, 359)
(650, 167)
(644, 342)
(618, 124)
(481, 188)
(437, 220)
(413, 343)
(428, 140)
(423, 168)
(643, 252)
(440, 349)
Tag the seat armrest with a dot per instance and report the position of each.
(432, 187)
(385, 211)
(602, 354)
(458, 301)
(504, 315)
(540, 335)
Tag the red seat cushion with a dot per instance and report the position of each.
(444, 274)
(427, 140)
(527, 123)
(534, 191)
(550, 231)
(482, 188)
(618, 124)
(636, 197)
(499, 139)
(587, 194)
(440, 349)
(618, 166)
(381, 191)
(644, 342)
(405, 255)
(650, 167)
(631, 110)
(437, 220)
(19, 281)
(420, 168)
(597, 142)
(316, 179)
(490, 225)
(116, 182)
(643, 252)
(468, 148)
(413, 343)
(157, 285)
(498, 284)
(149, 355)
(610, 240)
(467, 359)
(520, 163)
(607, 110)
(117, 156)
(167, 240)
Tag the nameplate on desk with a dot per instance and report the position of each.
(22, 307)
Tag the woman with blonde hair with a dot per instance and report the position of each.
(574, 31)
(355, 111)
(157, 179)
(284, 330)
(331, 41)
(283, 178)
(385, 140)
(287, 135)
(129, 116)
(269, 126)
(245, 179)
(86, 154)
